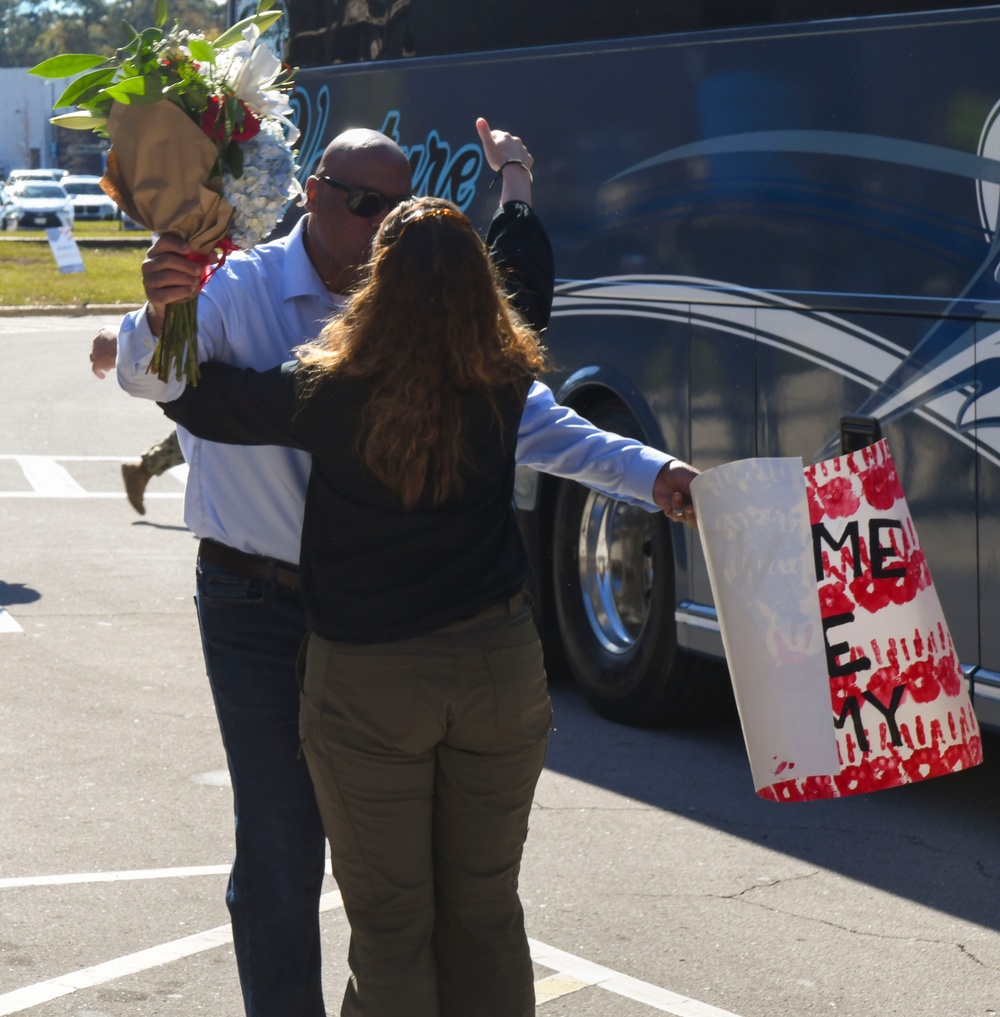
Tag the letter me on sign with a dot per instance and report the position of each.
(844, 670)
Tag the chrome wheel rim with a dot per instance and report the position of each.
(616, 570)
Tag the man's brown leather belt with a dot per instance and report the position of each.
(250, 566)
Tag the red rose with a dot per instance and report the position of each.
(213, 121)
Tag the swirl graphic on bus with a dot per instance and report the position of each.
(951, 376)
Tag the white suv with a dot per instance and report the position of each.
(89, 201)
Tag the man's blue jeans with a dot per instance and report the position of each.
(251, 634)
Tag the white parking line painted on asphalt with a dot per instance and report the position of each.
(72, 459)
(572, 973)
(90, 494)
(85, 978)
(589, 973)
(7, 623)
(48, 478)
(143, 960)
(66, 879)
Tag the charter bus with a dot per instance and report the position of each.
(773, 237)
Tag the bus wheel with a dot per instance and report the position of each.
(613, 586)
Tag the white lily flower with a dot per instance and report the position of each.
(250, 70)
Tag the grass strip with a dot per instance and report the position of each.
(29, 276)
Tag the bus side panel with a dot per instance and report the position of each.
(758, 232)
(986, 422)
(800, 406)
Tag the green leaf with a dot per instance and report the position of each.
(67, 65)
(202, 51)
(82, 121)
(154, 95)
(234, 34)
(160, 17)
(134, 89)
(234, 158)
(264, 5)
(150, 37)
(179, 94)
(85, 87)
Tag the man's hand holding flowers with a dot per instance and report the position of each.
(169, 276)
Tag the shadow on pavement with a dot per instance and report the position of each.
(17, 593)
(936, 842)
(159, 526)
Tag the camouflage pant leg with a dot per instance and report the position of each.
(163, 456)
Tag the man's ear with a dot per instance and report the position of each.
(311, 184)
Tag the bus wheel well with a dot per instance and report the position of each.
(610, 600)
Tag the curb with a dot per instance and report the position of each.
(141, 241)
(67, 310)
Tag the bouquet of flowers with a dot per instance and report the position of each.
(201, 144)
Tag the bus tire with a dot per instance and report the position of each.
(614, 599)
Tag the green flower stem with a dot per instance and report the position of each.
(176, 350)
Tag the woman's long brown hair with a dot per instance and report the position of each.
(430, 321)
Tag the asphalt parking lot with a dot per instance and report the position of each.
(654, 880)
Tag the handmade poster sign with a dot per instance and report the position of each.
(845, 674)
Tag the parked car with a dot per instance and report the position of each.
(36, 174)
(89, 201)
(36, 204)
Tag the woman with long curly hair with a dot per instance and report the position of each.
(424, 713)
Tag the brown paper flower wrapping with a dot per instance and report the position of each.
(158, 172)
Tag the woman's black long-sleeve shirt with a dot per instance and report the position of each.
(372, 571)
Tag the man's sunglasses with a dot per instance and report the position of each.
(363, 201)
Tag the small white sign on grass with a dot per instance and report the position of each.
(64, 249)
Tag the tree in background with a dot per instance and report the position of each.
(31, 32)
